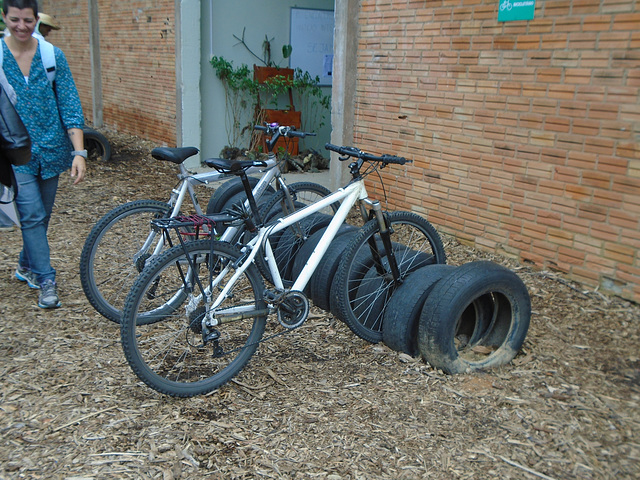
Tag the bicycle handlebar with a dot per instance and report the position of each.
(282, 130)
(276, 131)
(347, 152)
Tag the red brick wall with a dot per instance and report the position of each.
(137, 53)
(525, 135)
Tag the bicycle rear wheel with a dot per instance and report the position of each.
(220, 198)
(115, 252)
(169, 354)
(364, 281)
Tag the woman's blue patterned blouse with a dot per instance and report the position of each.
(47, 119)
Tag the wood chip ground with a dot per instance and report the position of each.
(318, 403)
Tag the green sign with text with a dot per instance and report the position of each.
(516, 10)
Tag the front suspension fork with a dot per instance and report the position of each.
(385, 235)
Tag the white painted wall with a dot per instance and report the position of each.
(220, 20)
(188, 96)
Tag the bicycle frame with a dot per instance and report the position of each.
(348, 195)
(178, 195)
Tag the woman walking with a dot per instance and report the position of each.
(52, 113)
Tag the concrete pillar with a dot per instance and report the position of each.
(96, 68)
(344, 85)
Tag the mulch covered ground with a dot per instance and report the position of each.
(318, 403)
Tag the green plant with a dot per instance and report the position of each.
(243, 94)
(272, 90)
(311, 100)
(240, 92)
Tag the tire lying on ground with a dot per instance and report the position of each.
(322, 278)
(402, 315)
(293, 238)
(96, 144)
(286, 243)
(475, 318)
(303, 255)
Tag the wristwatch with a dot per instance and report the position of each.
(82, 153)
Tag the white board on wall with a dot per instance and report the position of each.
(312, 42)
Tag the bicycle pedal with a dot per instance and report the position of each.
(272, 297)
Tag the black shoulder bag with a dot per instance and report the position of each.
(15, 143)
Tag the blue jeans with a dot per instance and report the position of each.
(35, 203)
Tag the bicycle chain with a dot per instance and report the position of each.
(237, 349)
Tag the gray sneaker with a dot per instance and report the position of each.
(25, 275)
(48, 295)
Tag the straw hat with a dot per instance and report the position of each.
(48, 20)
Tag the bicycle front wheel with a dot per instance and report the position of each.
(172, 354)
(116, 251)
(365, 281)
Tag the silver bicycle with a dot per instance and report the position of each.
(122, 242)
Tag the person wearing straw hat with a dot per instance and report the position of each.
(46, 23)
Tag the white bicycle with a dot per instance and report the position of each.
(198, 312)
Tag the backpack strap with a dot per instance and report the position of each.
(11, 93)
(48, 55)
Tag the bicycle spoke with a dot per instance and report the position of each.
(365, 278)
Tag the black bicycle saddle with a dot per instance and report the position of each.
(173, 154)
(234, 167)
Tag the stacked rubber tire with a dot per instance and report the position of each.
(97, 145)
(459, 319)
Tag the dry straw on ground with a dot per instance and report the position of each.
(318, 403)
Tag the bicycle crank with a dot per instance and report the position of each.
(293, 309)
